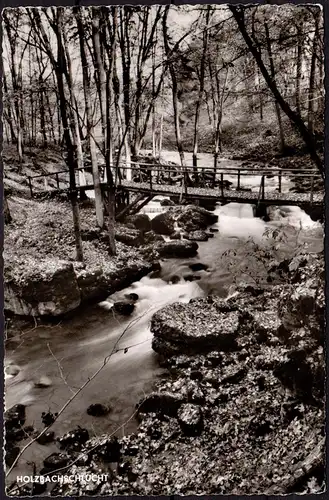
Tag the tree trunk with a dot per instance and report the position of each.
(101, 81)
(126, 63)
(293, 116)
(299, 61)
(311, 89)
(16, 89)
(9, 116)
(201, 92)
(74, 121)
(110, 181)
(272, 69)
(90, 127)
(60, 69)
(175, 99)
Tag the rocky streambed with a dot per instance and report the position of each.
(241, 408)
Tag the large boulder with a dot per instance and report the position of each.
(56, 461)
(74, 440)
(177, 248)
(140, 221)
(98, 410)
(195, 327)
(124, 307)
(130, 237)
(165, 403)
(15, 417)
(50, 288)
(152, 237)
(198, 236)
(163, 223)
(166, 202)
(194, 218)
(96, 285)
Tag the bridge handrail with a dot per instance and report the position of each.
(227, 171)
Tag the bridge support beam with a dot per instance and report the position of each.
(260, 211)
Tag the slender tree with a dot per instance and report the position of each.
(90, 126)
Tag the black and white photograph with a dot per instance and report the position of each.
(163, 257)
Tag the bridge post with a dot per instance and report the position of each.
(280, 182)
(263, 187)
(222, 184)
(57, 180)
(238, 187)
(260, 211)
(312, 186)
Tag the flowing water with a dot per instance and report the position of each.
(71, 351)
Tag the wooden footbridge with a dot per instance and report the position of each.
(225, 185)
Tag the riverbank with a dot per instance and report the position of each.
(41, 276)
(242, 403)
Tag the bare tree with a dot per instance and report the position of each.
(296, 119)
(90, 126)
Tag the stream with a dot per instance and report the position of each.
(77, 346)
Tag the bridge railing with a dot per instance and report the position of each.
(172, 174)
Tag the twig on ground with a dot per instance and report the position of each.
(69, 401)
(60, 368)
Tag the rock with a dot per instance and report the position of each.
(296, 374)
(49, 289)
(167, 203)
(56, 461)
(190, 419)
(191, 277)
(236, 375)
(11, 453)
(74, 439)
(48, 418)
(110, 451)
(43, 382)
(198, 266)
(210, 235)
(15, 417)
(140, 221)
(175, 236)
(164, 403)
(12, 370)
(124, 307)
(95, 286)
(179, 249)
(163, 223)
(98, 410)
(132, 296)
(303, 304)
(213, 230)
(46, 438)
(198, 236)
(215, 358)
(90, 234)
(15, 434)
(152, 237)
(195, 218)
(174, 280)
(130, 237)
(181, 328)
